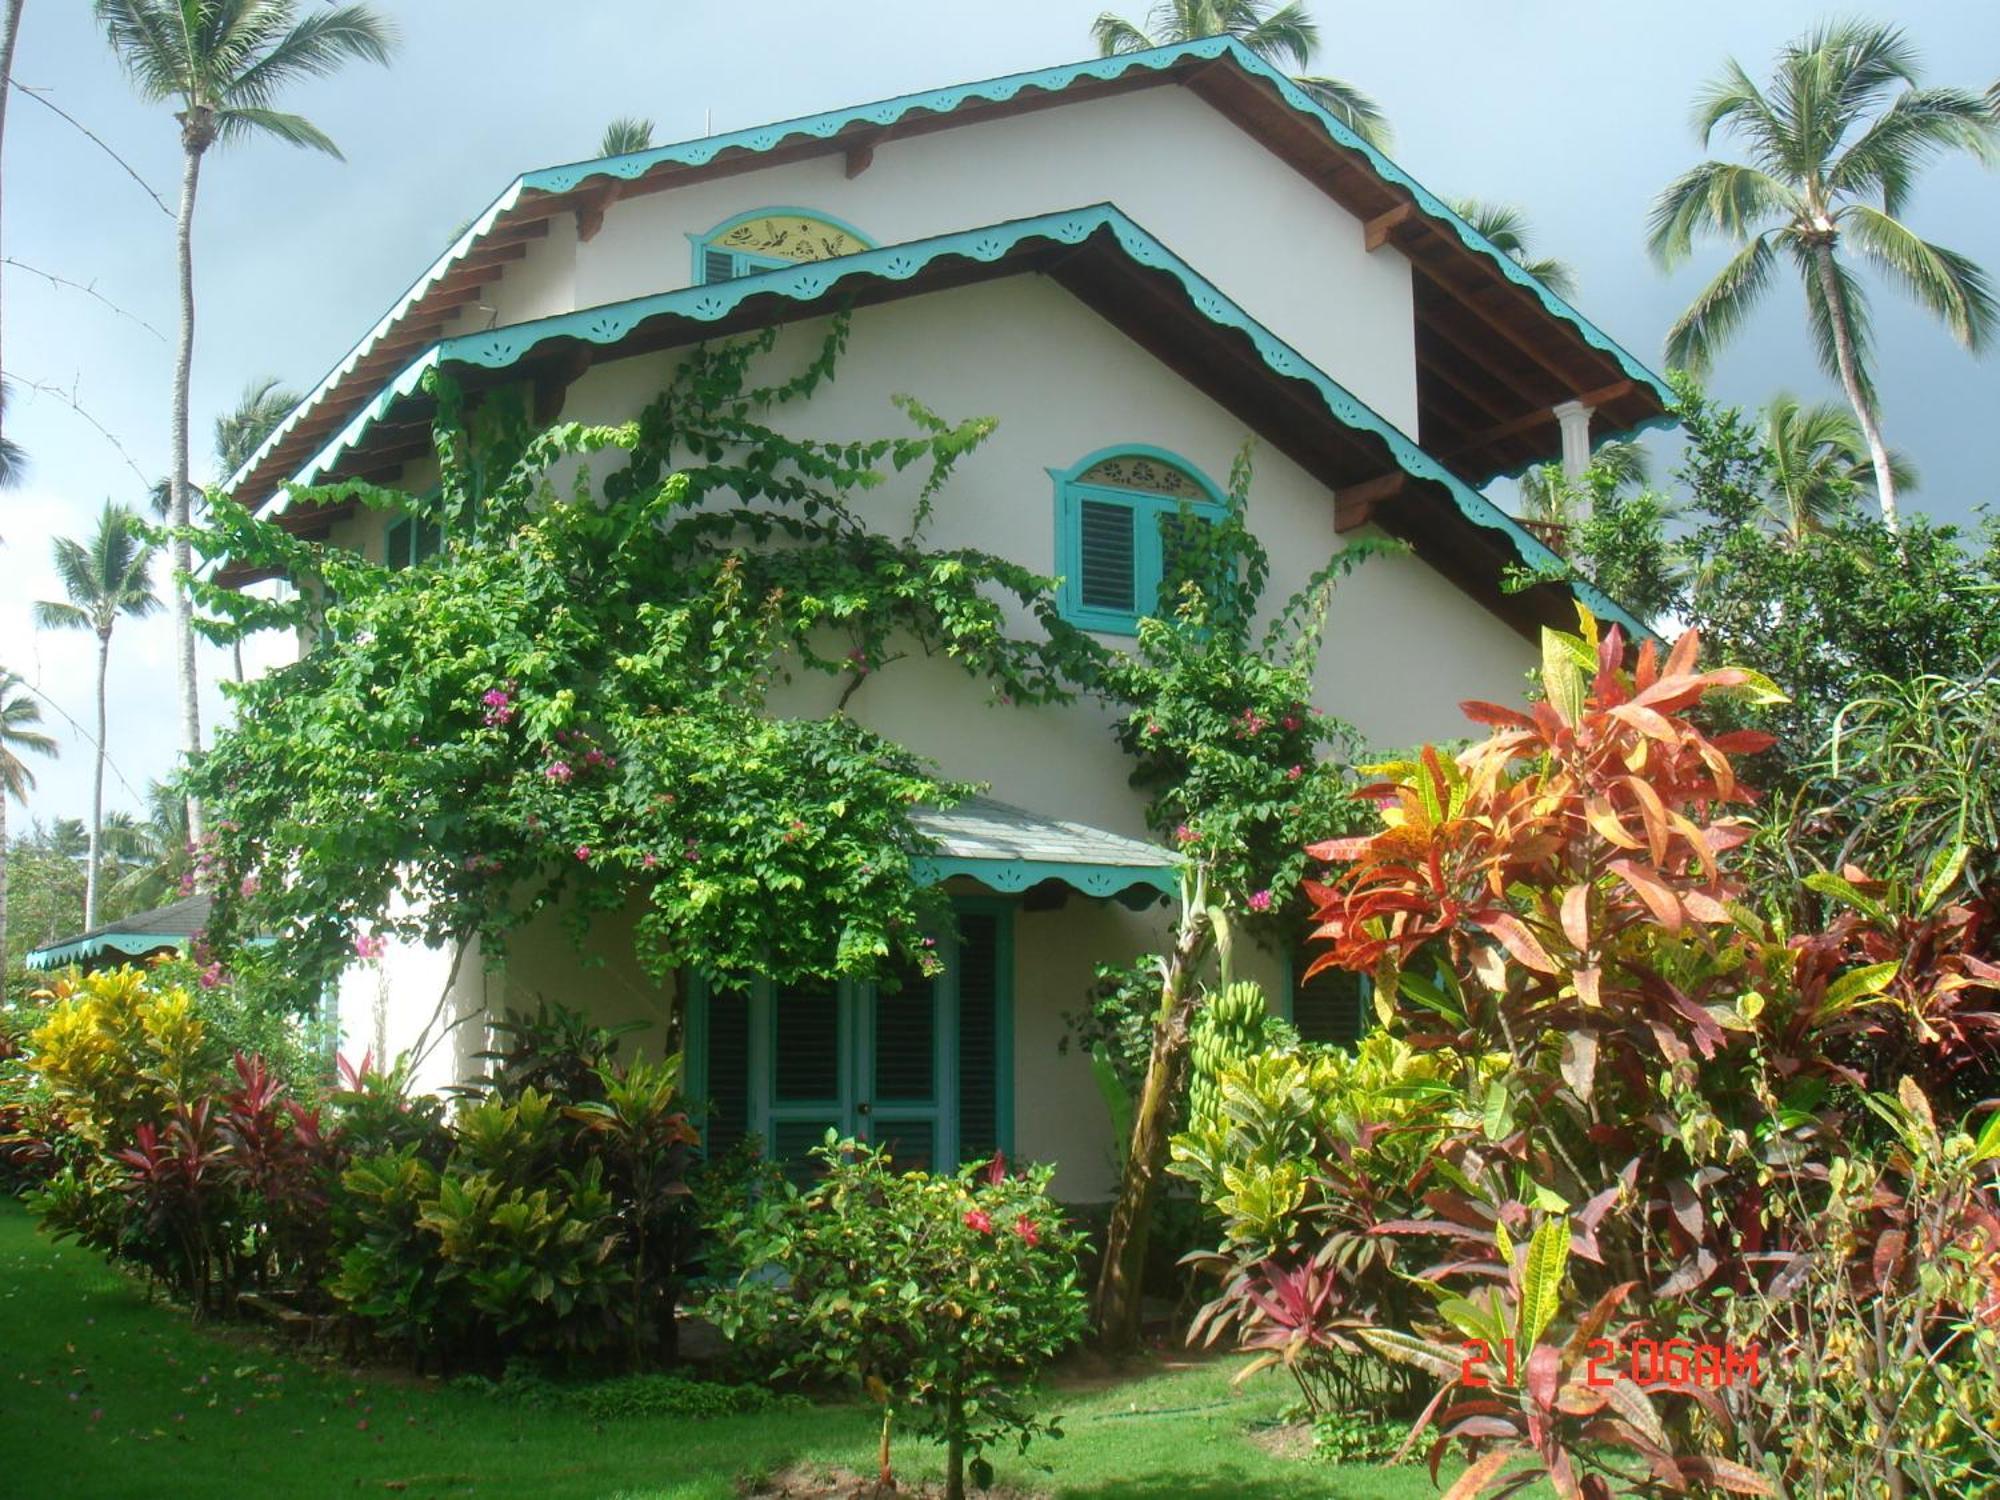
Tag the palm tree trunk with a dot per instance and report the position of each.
(7, 40)
(3, 889)
(183, 554)
(96, 854)
(1850, 380)
(1120, 1278)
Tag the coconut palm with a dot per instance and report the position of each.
(240, 431)
(105, 578)
(156, 859)
(625, 134)
(10, 452)
(1547, 494)
(1506, 229)
(1819, 462)
(13, 462)
(20, 716)
(1835, 143)
(224, 63)
(1283, 35)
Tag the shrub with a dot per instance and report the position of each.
(937, 1295)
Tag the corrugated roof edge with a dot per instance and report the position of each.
(887, 112)
(500, 347)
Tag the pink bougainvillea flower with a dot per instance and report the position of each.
(1184, 834)
(559, 771)
(648, 860)
(494, 698)
(1260, 901)
(1295, 773)
(979, 1219)
(249, 884)
(366, 945)
(1025, 1228)
(583, 852)
(1291, 721)
(211, 977)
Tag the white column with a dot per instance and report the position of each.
(1574, 419)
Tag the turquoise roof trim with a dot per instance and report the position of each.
(887, 112)
(130, 944)
(499, 348)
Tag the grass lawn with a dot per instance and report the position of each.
(104, 1394)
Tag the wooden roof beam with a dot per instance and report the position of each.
(1529, 421)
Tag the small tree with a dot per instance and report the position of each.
(1240, 770)
(937, 1295)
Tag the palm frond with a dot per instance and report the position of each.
(1918, 126)
(626, 134)
(1720, 198)
(1721, 307)
(293, 130)
(315, 47)
(19, 716)
(1507, 230)
(58, 615)
(1115, 35)
(1735, 101)
(105, 577)
(1351, 106)
(241, 430)
(1286, 37)
(150, 41)
(1951, 286)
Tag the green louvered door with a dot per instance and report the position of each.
(921, 1067)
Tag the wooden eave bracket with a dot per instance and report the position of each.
(590, 212)
(553, 380)
(1381, 230)
(860, 154)
(1354, 505)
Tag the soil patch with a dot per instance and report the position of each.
(816, 1482)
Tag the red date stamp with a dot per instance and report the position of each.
(1651, 1364)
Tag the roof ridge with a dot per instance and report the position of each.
(885, 112)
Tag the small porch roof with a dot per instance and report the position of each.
(133, 936)
(1009, 849)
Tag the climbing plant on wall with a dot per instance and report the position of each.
(569, 707)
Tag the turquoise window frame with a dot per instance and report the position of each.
(407, 530)
(744, 264)
(1148, 559)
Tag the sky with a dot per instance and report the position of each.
(1575, 112)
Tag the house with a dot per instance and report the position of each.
(135, 938)
(1134, 263)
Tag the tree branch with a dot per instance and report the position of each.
(36, 95)
(68, 398)
(89, 291)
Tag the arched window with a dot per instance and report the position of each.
(767, 238)
(1118, 512)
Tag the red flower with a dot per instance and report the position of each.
(1025, 1228)
(979, 1219)
(996, 1169)
(583, 852)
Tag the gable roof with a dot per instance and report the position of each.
(1102, 257)
(1497, 350)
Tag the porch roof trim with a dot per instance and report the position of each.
(142, 932)
(1009, 849)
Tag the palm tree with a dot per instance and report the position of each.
(1548, 495)
(224, 63)
(1835, 145)
(1283, 35)
(105, 577)
(626, 134)
(241, 431)
(1819, 462)
(19, 716)
(157, 859)
(10, 453)
(1506, 229)
(13, 462)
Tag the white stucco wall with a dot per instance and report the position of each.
(1281, 249)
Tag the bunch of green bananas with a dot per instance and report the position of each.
(1225, 1031)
